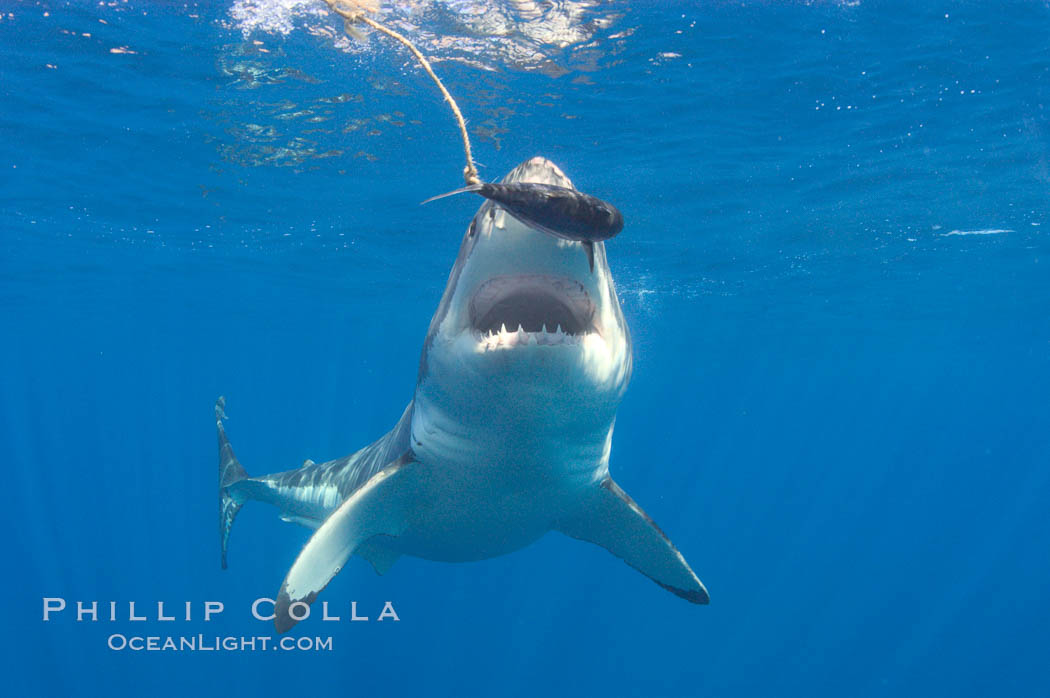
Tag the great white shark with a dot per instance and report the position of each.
(508, 434)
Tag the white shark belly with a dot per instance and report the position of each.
(492, 490)
(459, 525)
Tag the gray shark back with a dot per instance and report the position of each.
(343, 476)
(305, 495)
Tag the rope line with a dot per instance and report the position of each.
(350, 14)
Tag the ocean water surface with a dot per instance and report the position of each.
(835, 268)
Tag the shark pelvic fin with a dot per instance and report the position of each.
(611, 519)
(381, 557)
(230, 473)
(462, 190)
(380, 506)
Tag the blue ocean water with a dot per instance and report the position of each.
(835, 269)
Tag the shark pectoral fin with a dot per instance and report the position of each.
(380, 556)
(377, 507)
(611, 519)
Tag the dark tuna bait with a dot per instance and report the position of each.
(559, 211)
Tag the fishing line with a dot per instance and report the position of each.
(559, 211)
(353, 11)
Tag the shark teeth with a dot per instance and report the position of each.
(519, 337)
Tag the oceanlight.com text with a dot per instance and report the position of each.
(216, 643)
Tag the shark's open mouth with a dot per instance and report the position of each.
(533, 308)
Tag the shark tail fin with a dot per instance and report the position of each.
(230, 472)
(462, 190)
